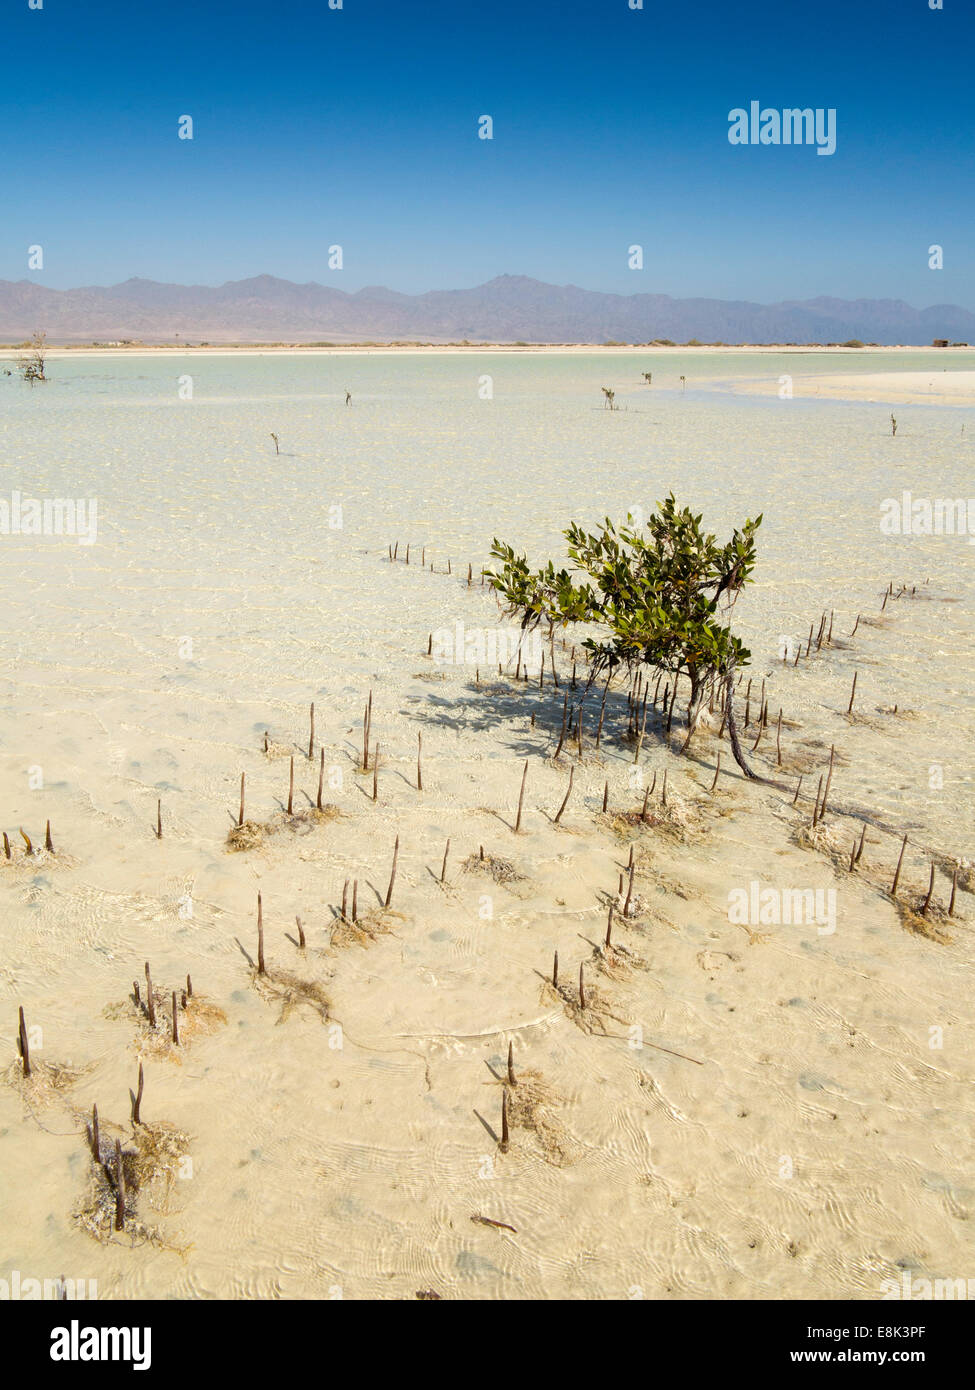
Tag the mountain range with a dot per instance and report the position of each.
(508, 309)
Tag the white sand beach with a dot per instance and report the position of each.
(939, 386)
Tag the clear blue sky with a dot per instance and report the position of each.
(359, 126)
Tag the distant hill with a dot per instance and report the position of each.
(508, 309)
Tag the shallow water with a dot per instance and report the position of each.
(204, 534)
(221, 596)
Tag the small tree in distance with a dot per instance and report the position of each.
(30, 363)
(664, 597)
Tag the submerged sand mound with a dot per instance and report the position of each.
(680, 819)
(253, 834)
(532, 1108)
(496, 867)
(292, 991)
(152, 1159)
(367, 927)
(196, 1017)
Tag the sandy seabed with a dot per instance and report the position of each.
(750, 1109)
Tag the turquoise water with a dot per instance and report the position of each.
(390, 375)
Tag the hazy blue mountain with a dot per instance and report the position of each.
(510, 308)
